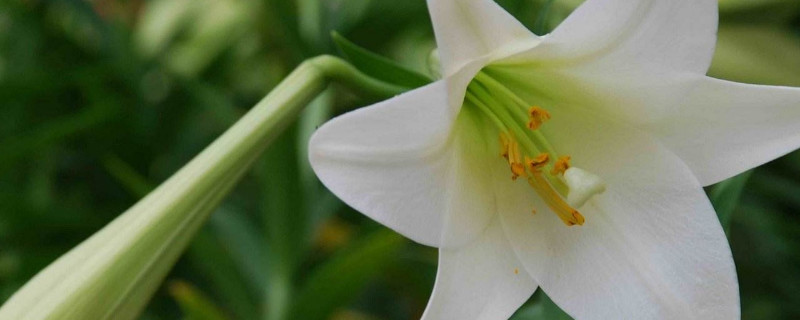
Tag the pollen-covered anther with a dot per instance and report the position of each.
(504, 143)
(536, 164)
(579, 219)
(517, 170)
(569, 215)
(512, 153)
(536, 117)
(561, 165)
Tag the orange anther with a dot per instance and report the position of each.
(561, 165)
(537, 116)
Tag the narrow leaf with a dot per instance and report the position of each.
(378, 66)
(725, 196)
(542, 308)
(209, 255)
(194, 304)
(342, 278)
(540, 26)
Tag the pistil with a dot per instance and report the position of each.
(519, 126)
(569, 215)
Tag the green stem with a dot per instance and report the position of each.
(338, 71)
(113, 274)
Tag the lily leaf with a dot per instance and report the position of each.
(195, 304)
(757, 54)
(342, 278)
(725, 196)
(541, 309)
(286, 221)
(540, 26)
(378, 66)
(209, 254)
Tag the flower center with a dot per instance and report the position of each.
(528, 153)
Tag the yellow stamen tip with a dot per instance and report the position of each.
(561, 165)
(537, 116)
(516, 271)
(576, 218)
(517, 169)
(579, 219)
(504, 144)
(534, 164)
(512, 154)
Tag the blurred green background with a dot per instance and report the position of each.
(102, 100)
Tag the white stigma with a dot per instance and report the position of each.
(583, 185)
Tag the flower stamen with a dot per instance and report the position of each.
(537, 116)
(535, 164)
(504, 142)
(568, 214)
(512, 153)
(507, 112)
(561, 165)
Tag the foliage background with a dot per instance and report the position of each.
(101, 100)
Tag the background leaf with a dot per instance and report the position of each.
(725, 197)
(343, 277)
(378, 66)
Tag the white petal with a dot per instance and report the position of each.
(482, 280)
(612, 36)
(719, 128)
(469, 29)
(400, 162)
(723, 128)
(651, 246)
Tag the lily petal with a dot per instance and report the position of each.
(723, 128)
(469, 29)
(651, 246)
(719, 128)
(400, 163)
(482, 280)
(611, 36)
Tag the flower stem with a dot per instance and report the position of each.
(112, 274)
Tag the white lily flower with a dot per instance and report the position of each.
(618, 91)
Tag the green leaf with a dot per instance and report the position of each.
(542, 308)
(19, 146)
(325, 203)
(540, 26)
(194, 304)
(378, 66)
(347, 14)
(132, 181)
(209, 255)
(760, 11)
(240, 239)
(286, 221)
(343, 277)
(757, 54)
(725, 196)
